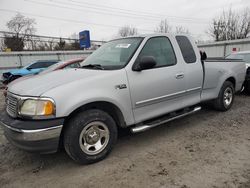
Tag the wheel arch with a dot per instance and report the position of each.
(108, 107)
(232, 80)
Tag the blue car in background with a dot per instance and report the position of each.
(30, 69)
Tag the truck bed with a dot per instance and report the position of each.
(216, 71)
(218, 59)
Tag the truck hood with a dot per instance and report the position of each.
(39, 84)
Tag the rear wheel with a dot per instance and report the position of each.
(90, 136)
(226, 97)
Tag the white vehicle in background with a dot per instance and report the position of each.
(245, 56)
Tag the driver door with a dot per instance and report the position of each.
(158, 90)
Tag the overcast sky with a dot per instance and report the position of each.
(61, 18)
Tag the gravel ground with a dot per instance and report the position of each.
(207, 149)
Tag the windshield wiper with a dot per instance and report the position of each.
(95, 66)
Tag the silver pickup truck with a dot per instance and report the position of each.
(136, 82)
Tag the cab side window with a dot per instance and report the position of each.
(36, 65)
(161, 49)
(39, 65)
(187, 49)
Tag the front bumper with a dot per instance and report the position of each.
(40, 136)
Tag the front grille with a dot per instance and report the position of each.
(11, 105)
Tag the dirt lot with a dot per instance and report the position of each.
(208, 149)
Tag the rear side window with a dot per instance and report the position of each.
(187, 49)
(161, 49)
(36, 65)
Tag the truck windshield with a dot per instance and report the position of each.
(113, 55)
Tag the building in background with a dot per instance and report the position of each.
(224, 48)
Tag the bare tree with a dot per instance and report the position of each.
(163, 27)
(61, 45)
(245, 24)
(13, 42)
(45, 45)
(1, 44)
(20, 24)
(75, 45)
(181, 30)
(231, 25)
(127, 31)
(22, 27)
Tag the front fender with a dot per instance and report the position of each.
(70, 97)
(121, 100)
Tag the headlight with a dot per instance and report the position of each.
(37, 107)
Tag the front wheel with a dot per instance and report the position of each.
(90, 136)
(226, 97)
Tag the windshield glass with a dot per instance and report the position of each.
(40, 64)
(114, 54)
(26, 66)
(244, 57)
(234, 56)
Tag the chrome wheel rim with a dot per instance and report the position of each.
(94, 138)
(228, 96)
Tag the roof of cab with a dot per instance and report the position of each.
(150, 35)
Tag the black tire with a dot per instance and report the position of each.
(219, 103)
(247, 87)
(76, 127)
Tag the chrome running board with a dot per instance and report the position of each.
(144, 127)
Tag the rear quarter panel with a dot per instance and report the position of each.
(216, 73)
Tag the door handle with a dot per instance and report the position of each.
(179, 76)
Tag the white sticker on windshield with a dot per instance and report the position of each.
(122, 45)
